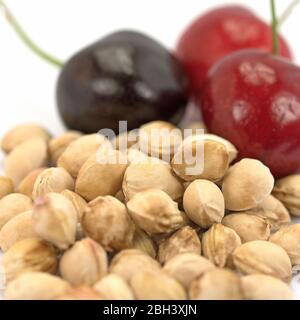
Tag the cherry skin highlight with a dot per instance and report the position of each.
(218, 33)
(252, 98)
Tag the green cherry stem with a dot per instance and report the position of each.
(287, 12)
(274, 28)
(26, 39)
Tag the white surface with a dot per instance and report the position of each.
(64, 26)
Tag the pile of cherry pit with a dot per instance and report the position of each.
(236, 68)
(238, 72)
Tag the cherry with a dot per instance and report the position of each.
(218, 33)
(124, 76)
(252, 98)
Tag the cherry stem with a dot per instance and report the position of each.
(274, 28)
(287, 12)
(26, 39)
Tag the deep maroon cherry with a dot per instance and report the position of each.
(124, 76)
(252, 98)
(220, 32)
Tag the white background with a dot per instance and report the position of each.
(27, 84)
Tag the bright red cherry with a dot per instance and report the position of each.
(252, 98)
(218, 33)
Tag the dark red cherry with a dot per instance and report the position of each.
(124, 76)
(252, 98)
(218, 33)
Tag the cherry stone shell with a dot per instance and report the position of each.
(124, 76)
(252, 99)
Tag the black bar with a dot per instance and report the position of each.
(89, 310)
